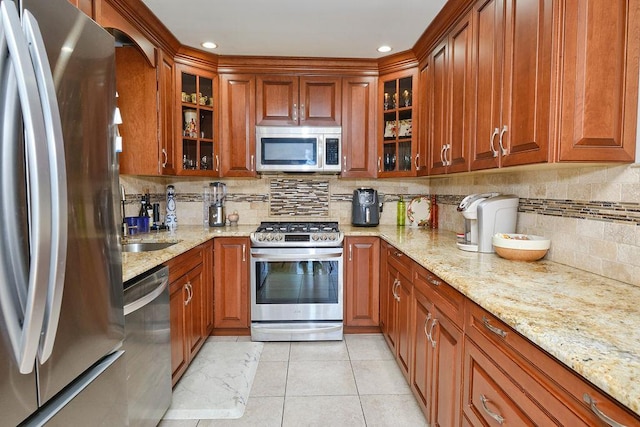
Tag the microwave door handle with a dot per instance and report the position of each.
(58, 183)
(24, 316)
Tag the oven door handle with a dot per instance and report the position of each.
(297, 257)
(331, 328)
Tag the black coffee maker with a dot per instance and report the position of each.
(365, 208)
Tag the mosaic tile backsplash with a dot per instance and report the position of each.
(299, 197)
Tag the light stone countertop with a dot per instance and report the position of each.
(588, 322)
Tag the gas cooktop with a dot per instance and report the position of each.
(297, 234)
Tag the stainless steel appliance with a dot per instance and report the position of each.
(365, 207)
(296, 282)
(61, 297)
(147, 347)
(218, 194)
(298, 149)
(485, 215)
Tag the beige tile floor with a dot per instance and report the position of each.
(355, 382)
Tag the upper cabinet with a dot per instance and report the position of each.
(395, 150)
(599, 81)
(238, 148)
(359, 141)
(298, 101)
(512, 69)
(197, 98)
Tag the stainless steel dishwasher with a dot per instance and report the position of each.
(147, 346)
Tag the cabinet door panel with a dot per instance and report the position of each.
(422, 372)
(527, 82)
(362, 306)
(425, 109)
(439, 93)
(167, 98)
(238, 126)
(197, 331)
(447, 366)
(231, 298)
(320, 101)
(403, 345)
(179, 356)
(487, 45)
(359, 127)
(600, 81)
(277, 100)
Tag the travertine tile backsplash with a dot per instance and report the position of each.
(591, 214)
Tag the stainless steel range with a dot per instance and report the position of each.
(296, 281)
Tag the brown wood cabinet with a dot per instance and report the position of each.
(298, 101)
(238, 151)
(166, 106)
(197, 148)
(437, 343)
(396, 146)
(231, 293)
(450, 96)
(190, 290)
(359, 142)
(362, 282)
(512, 68)
(508, 377)
(599, 81)
(397, 292)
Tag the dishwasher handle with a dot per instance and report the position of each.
(147, 298)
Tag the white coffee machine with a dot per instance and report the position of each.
(485, 215)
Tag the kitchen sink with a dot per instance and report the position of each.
(146, 246)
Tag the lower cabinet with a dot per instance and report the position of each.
(190, 292)
(231, 293)
(361, 282)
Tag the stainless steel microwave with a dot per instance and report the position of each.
(298, 149)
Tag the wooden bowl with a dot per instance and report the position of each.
(520, 247)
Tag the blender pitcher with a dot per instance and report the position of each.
(218, 192)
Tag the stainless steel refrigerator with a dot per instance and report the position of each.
(61, 297)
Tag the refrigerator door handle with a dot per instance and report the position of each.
(58, 182)
(23, 304)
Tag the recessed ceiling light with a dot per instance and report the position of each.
(384, 49)
(209, 45)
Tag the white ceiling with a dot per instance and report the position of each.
(306, 28)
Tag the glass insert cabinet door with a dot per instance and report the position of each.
(397, 125)
(197, 116)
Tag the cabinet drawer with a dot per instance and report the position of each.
(399, 260)
(492, 398)
(448, 300)
(547, 381)
(181, 264)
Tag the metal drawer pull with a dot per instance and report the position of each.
(165, 158)
(415, 162)
(434, 282)
(433, 325)
(425, 326)
(604, 417)
(493, 137)
(493, 329)
(502, 132)
(499, 418)
(350, 252)
(398, 254)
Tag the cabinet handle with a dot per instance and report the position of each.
(396, 283)
(502, 132)
(415, 161)
(594, 408)
(344, 162)
(447, 158)
(244, 253)
(442, 160)
(302, 112)
(434, 322)
(492, 328)
(294, 113)
(493, 138)
(187, 286)
(217, 163)
(379, 163)
(426, 332)
(252, 162)
(350, 252)
(499, 418)
(398, 254)
(165, 158)
(433, 281)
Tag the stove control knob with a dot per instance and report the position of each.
(331, 237)
(280, 237)
(314, 237)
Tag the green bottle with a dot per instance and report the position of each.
(402, 211)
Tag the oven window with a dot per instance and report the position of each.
(295, 282)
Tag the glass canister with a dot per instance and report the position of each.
(171, 218)
(402, 211)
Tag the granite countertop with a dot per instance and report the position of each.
(588, 322)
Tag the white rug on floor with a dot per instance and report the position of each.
(217, 383)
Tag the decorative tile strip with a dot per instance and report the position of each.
(292, 197)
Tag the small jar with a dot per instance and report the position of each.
(401, 212)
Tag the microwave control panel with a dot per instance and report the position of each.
(332, 155)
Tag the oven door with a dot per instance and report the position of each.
(296, 284)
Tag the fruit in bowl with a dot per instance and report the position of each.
(520, 247)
